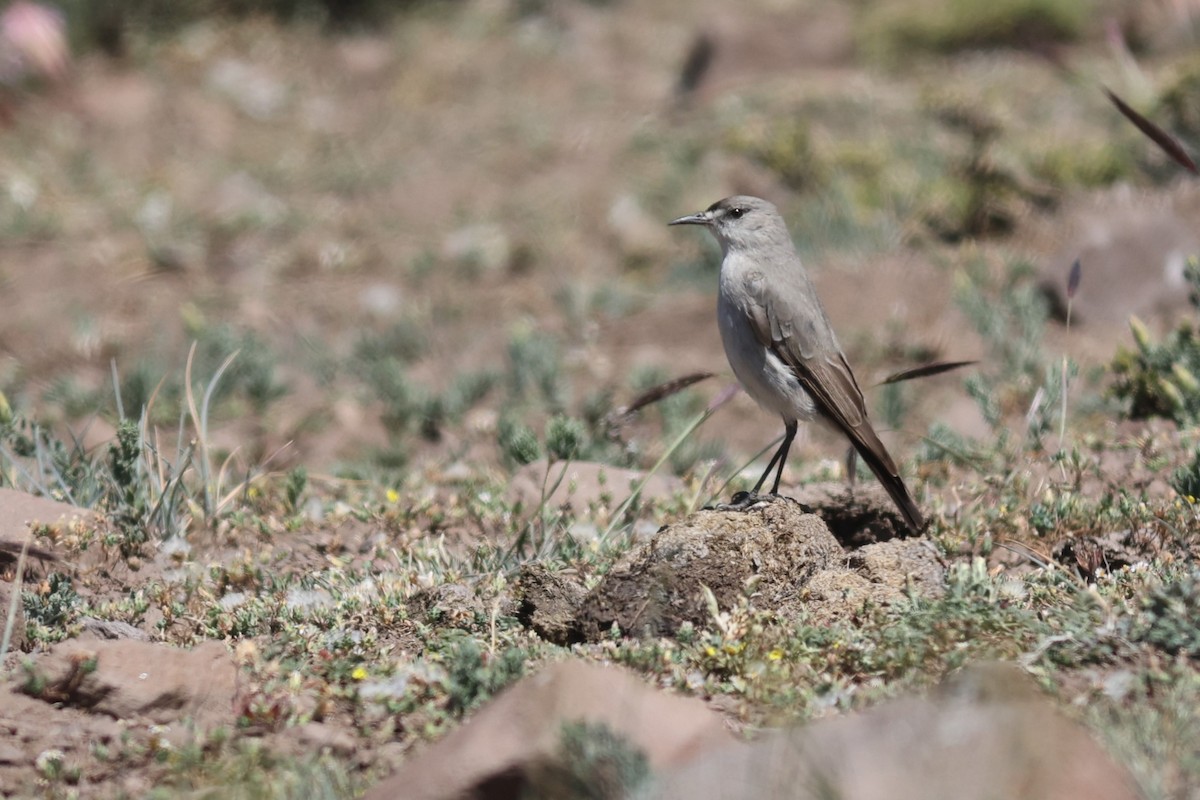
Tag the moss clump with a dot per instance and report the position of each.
(1179, 102)
(894, 30)
(1085, 164)
(1159, 379)
(784, 147)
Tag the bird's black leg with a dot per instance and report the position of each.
(743, 500)
(789, 433)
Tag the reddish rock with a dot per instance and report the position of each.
(128, 679)
(989, 735)
(19, 510)
(496, 752)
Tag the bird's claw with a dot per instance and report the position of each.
(744, 501)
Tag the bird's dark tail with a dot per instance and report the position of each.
(872, 451)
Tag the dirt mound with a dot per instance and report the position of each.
(786, 559)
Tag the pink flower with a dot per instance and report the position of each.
(33, 41)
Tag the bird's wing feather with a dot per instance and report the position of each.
(799, 335)
(808, 346)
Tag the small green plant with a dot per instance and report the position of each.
(1159, 379)
(474, 675)
(128, 497)
(404, 402)
(1168, 617)
(294, 487)
(1186, 479)
(251, 375)
(535, 369)
(784, 147)
(565, 437)
(404, 340)
(896, 30)
(593, 762)
(1010, 315)
(518, 443)
(51, 608)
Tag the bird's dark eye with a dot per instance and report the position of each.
(736, 212)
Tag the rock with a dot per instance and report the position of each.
(19, 510)
(548, 602)
(512, 739)
(657, 587)
(586, 486)
(111, 629)
(988, 734)
(127, 679)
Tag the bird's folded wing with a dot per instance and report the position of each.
(800, 336)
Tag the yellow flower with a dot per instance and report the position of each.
(393, 496)
(775, 655)
(709, 650)
(359, 674)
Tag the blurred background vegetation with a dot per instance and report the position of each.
(428, 229)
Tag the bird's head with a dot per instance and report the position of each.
(741, 222)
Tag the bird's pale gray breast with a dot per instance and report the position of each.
(765, 378)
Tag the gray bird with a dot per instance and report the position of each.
(780, 344)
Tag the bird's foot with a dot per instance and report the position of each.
(744, 501)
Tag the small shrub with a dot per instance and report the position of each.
(783, 147)
(51, 608)
(1168, 617)
(593, 763)
(1179, 102)
(535, 369)
(565, 437)
(896, 30)
(518, 443)
(404, 340)
(252, 375)
(1159, 379)
(473, 675)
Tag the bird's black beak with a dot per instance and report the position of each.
(702, 218)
